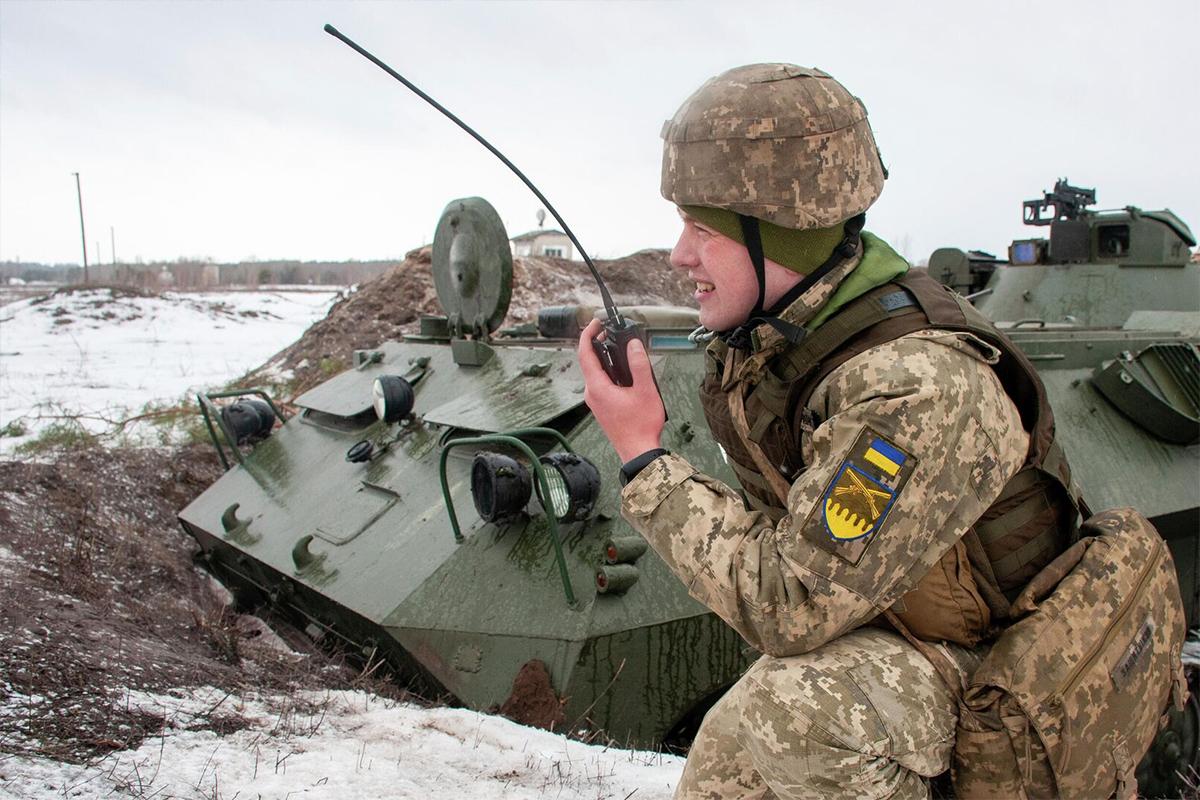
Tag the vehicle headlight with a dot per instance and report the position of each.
(574, 485)
(500, 486)
(392, 397)
(249, 420)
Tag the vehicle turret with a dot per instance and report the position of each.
(1096, 268)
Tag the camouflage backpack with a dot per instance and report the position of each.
(1071, 695)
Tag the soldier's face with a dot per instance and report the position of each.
(726, 287)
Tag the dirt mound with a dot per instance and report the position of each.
(532, 700)
(102, 598)
(392, 304)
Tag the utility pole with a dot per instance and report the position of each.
(82, 234)
(113, 237)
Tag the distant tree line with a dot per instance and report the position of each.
(198, 274)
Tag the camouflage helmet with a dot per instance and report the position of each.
(777, 142)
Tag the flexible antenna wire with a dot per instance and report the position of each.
(609, 306)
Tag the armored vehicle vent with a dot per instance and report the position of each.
(1184, 365)
(1159, 388)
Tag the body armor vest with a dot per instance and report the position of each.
(1030, 523)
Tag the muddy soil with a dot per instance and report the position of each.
(101, 598)
(533, 701)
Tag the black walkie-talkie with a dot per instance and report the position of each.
(618, 331)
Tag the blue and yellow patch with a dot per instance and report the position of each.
(884, 456)
(864, 488)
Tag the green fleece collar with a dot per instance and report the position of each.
(879, 264)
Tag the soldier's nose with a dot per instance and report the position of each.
(683, 255)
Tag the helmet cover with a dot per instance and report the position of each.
(781, 143)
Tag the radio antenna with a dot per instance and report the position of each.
(609, 306)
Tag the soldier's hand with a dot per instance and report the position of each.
(632, 417)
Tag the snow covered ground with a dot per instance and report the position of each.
(105, 355)
(342, 745)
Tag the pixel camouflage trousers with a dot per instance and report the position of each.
(864, 716)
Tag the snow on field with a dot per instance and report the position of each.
(341, 745)
(106, 354)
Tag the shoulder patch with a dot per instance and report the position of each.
(863, 489)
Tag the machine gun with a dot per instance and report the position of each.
(1068, 202)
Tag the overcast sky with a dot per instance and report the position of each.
(238, 130)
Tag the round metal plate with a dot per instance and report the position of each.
(472, 265)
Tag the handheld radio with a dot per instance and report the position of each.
(618, 331)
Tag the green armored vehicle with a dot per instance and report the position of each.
(449, 505)
(1108, 309)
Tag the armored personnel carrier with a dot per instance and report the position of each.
(450, 506)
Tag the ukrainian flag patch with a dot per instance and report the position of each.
(864, 488)
(884, 456)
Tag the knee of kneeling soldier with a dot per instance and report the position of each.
(868, 693)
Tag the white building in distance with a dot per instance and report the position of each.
(542, 242)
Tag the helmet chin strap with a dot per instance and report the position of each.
(739, 337)
(752, 236)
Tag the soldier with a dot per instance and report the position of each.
(885, 469)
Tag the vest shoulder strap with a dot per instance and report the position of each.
(877, 317)
(866, 312)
